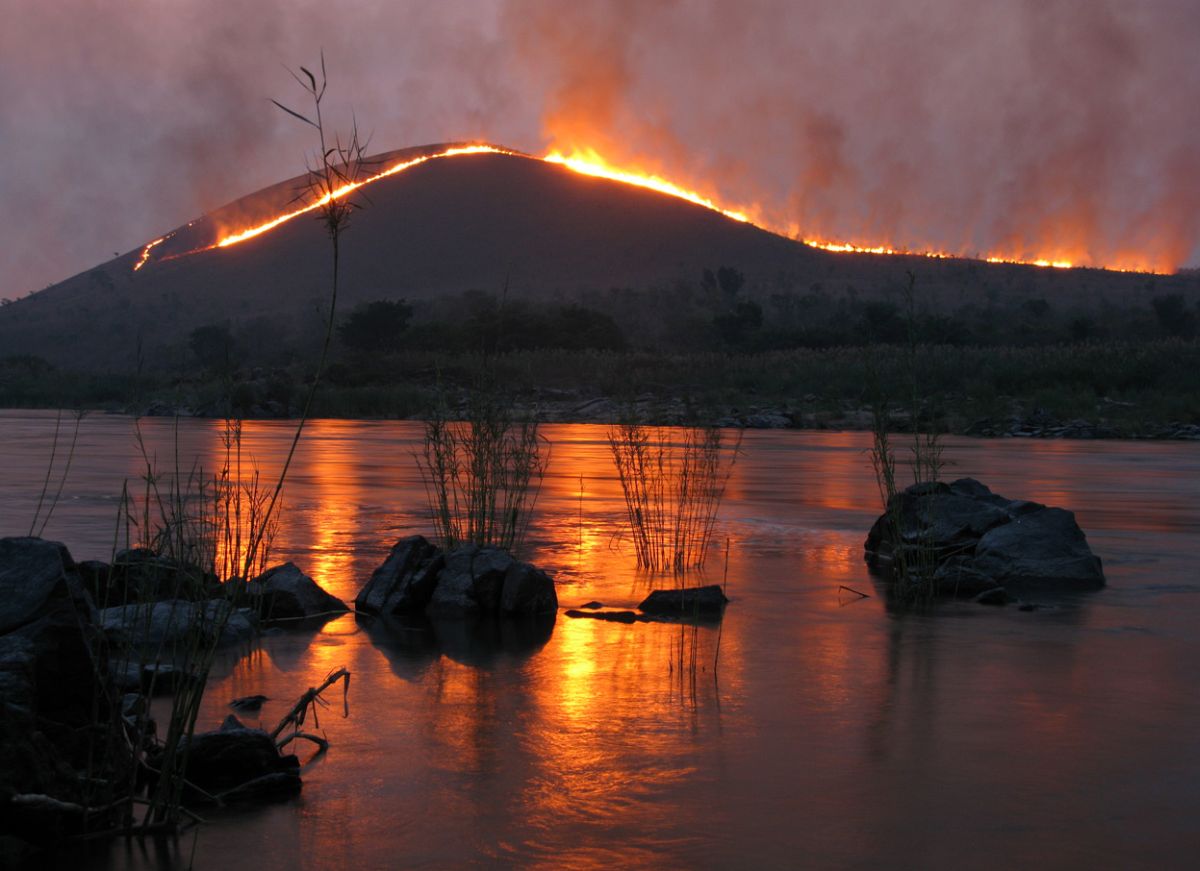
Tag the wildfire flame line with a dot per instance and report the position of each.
(347, 189)
(150, 246)
(847, 248)
(589, 163)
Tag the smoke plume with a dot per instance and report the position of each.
(1055, 129)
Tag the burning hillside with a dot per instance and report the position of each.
(451, 219)
(233, 225)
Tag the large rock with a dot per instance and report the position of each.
(943, 517)
(527, 591)
(53, 692)
(49, 656)
(472, 580)
(178, 623)
(418, 578)
(289, 594)
(969, 540)
(35, 576)
(404, 583)
(1039, 548)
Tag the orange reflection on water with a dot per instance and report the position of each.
(329, 460)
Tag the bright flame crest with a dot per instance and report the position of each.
(589, 162)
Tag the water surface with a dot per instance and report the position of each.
(830, 733)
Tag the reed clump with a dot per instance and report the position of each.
(184, 533)
(913, 560)
(673, 481)
(198, 531)
(482, 473)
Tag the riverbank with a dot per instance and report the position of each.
(1145, 390)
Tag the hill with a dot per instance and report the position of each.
(480, 222)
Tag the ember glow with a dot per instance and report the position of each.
(150, 246)
(591, 163)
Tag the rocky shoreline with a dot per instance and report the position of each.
(809, 413)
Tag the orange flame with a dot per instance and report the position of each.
(347, 189)
(150, 246)
(589, 162)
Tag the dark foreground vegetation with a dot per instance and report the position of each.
(715, 349)
(1126, 389)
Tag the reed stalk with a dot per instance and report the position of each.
(673, 481)
(913, 563)
(482, 475)
(220, 527)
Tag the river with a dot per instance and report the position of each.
(827, 732)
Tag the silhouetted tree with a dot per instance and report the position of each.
(376, 326)
(739, 328)
(730, 281)
(881, 322)
(215, 347)
(1174, 316)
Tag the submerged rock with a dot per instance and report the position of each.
(411, 642)
(610, 616)
(971, 540)
(994, 596)
(706, 601)
(235, 760)
(177, 623)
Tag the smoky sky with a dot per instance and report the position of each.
(1025, 127)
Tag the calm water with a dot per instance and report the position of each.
(831, 734)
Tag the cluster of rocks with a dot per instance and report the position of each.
(70, 669)
(73, 677)
(1039, 426)
(966, 541)
(1176, 431)
(53, 686)
(149, 600)
(420, 578)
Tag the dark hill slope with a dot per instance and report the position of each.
(463, 223)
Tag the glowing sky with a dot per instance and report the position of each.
(964, 125)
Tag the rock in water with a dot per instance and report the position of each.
(233, 757)
(1039, 549)
(289, 594)
(472, 580)
(404, 583)
(707, 601)
(527, 590)
(54, 690)
(176, 623)
(976, 540)
(417, 577)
